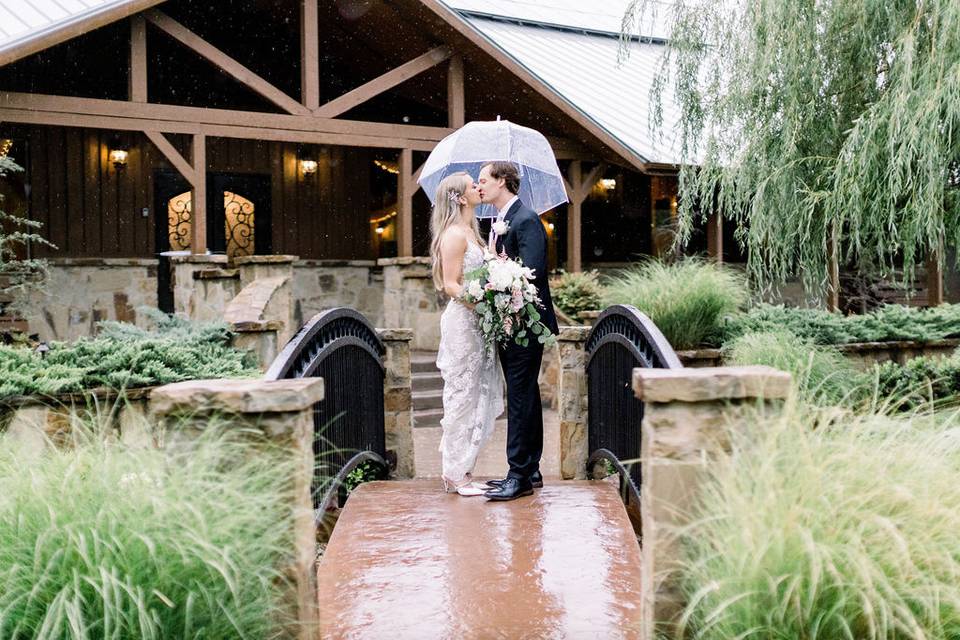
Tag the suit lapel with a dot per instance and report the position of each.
(501, 240)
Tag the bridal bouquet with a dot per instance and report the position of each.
(506, 301)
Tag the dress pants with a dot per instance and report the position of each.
(521, 369)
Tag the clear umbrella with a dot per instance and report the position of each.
(477, 143)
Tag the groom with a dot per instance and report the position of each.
(522, 236)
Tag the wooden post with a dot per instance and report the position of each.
(574, 210)
(309, 55)
(405, 204)
(198, 226)
(455, 96)
(833, 269)
(934, 279)
(138, 60)
(715, 237)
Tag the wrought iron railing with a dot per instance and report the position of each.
(622, 339)
(342, 347)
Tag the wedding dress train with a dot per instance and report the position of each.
(472, 386)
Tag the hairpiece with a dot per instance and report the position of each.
(454, 196)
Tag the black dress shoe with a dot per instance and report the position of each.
(536, 480)
(510, 489)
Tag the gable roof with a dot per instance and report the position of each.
(566, 48)
(28, 26)
(571, 47)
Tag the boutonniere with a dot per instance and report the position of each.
(501, 228)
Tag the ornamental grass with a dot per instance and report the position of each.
(822, 524)
(687, 300)
(102, 541)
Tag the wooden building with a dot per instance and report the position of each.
(298, 127)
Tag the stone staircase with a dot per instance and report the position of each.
(427, 389)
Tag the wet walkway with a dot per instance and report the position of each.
(407, 561)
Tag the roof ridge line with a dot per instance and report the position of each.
(527, 22)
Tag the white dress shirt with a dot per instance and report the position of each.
(501, 214)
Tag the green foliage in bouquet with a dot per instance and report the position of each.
(125, 356)
(99, 540)
(687, 300)
(887, 323)
(574, 292)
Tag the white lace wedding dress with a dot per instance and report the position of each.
(472, 383)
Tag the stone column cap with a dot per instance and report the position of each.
(402, 334)
(710, 383)
(199, 258)
(404, 261)
(268, 259)
(236, 396)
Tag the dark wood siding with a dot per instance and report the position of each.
(90, 209)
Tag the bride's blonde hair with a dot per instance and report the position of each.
(446, 213)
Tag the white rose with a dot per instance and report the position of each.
(501, 227)
(500, 276)
(475, 289)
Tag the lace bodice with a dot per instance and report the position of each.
(472, 382)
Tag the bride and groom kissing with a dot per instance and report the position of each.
(470, 368)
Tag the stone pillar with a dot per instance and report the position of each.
(411, 300)
(282, 410)
(397, 400)
(266, 293)
(202, 286)
(261, 337)
(572, 343)
(688, 414)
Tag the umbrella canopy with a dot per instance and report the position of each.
(477, 143)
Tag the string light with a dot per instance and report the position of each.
(387, 166)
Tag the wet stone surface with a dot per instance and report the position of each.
(407, 561)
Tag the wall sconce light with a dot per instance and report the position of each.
(119, 152)
(308, 167)
(379, 230)
(608, 183)
(5, 145)
(550, 226)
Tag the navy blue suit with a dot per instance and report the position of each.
(526, 239)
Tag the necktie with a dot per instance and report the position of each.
(492, 238)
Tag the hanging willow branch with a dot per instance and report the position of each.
(19, 275)
(799, 114)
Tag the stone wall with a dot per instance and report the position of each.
(398, 400)
(411, 300)
(319, 285)
(688, 414)
(82, 291)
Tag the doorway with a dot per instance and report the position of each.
(238, 220)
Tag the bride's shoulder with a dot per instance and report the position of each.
(453, 238)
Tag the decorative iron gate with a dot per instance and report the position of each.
(622, 340)
(340, 346)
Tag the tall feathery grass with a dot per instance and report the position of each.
(687, 299)
(822, 375)
(826, 525)
(98, 540)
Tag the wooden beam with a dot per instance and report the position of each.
(241, 73)
(456, 102)
(590, 179)
(198, 221)
(132, 116)
(170, 152)
(574, 222)
(405, 204)
(383, 83)
(309, 55)
(833, 269)
(138, 60)
(715, 237)
(934, 279)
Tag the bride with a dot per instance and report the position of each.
(472, 382)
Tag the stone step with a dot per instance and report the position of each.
(426, 381)
(423, 362)
(427, 417)
(432, 399)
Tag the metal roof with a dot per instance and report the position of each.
(28, 26)
(581, 68)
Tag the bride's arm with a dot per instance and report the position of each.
(452, 249)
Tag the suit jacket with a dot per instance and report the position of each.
(527, 239)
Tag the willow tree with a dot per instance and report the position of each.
(802, 118)
(20, 273)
